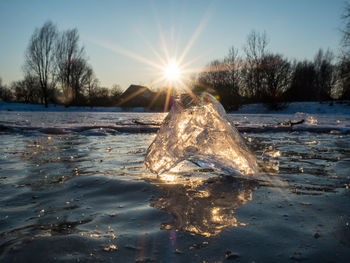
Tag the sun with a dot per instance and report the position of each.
(172, 71)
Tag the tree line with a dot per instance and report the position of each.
(56, 70)
(260, 75)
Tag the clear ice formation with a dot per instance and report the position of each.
(202, 134)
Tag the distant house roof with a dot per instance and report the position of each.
(137, 95)
(137, 90)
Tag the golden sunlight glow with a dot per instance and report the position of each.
(172, 71)
(169, 178)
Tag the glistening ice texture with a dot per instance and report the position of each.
(203, 135)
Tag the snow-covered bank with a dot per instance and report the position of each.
(14, 106)
(294, 107)
(311, 117)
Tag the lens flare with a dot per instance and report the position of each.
(172, 71)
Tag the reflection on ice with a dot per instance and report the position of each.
(203, 135)
(273, 154)
(270, 158)
(169, 178)
(205, 208)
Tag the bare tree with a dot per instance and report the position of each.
(40, 59)
(222, 78)
(343, 83)
(232, 63)
(324, 79)
(5, 92)
(91, 85)
(276, 79)
(255, 50)
(27, 90)
(102, 96)
(116, 93)
(71, 62)
(214, 74)
(81, 77)
(302, 86)
(345, 41)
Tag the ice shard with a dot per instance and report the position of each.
(202, 134)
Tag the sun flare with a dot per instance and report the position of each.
(172, 71)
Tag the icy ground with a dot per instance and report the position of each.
(305, 107)
(73, 185)
(308, 116)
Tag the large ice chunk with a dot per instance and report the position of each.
(202, 134)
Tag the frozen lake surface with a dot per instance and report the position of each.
(73, 187)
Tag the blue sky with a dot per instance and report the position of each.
(119, 36)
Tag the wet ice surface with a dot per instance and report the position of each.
(87, 197)
(61, 122)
